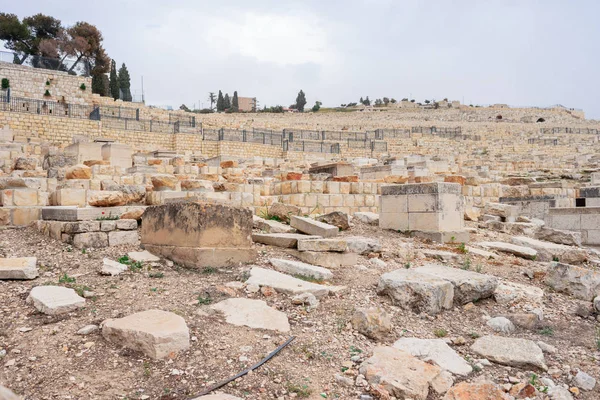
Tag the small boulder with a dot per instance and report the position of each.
(501, 325)
(284, 211)
(252, 313)
(476, 391)
(374, 322)
(510, 351)
(584, 381)
(55, 300)
(336, 218)
(79, 171)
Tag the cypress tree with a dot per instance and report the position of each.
(300, 101)
(125, 83)
(234, 103)
(114, 82)
(227, 102)
(220, 102)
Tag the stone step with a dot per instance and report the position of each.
(312, 227)
(18, 268)
(287, 284)
(326, 260)
(286, 240)
(299, 268)
(519, 251)
(337, 245)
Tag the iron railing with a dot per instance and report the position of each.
(582, 131)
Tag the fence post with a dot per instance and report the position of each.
(193, 122)
(137, 114)
(176, 127)
(8, 95)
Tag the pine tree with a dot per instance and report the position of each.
(99, 84)
(362, 101)
(125, 83)
(300, 101)
(235, 103)
(220, 102)
(227, 102)
(114, 82)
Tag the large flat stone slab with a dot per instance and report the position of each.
(252, 313)
(18, 268)
(415, 291)
(155, 333)
(548, 251)
(55, 300)
(401, 374)
(468, 285)
(519, 251)
(435, 350)
(285, 283)
(142, 256)
(510, 292)
(299, 268)
(477, 391)
(285, 240)
(579, 282)
(510, 351)
(70, 213)
(362, 245)
(326, 260)
(312, 227)
(367, 217)
(324, 245)
(271, 226)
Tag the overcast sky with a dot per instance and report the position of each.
(519, 52)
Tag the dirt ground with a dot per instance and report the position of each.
(46, 359)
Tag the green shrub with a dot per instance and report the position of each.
(5, 83)
(82, 86)
(47, 93)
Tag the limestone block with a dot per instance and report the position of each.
(18, 268)
(312, 227)
(55, 300)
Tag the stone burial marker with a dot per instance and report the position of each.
(199, 234)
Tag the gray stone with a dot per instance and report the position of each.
(324, 245)
(442, 255)
(597, 304)
(367, 217)
(551, 251)
(362, 245)
(507, 212)
(284, 211)
(127, 224)
(336, 218)
(510, 292)
(372, 322)
(142, 256)
(252, 313)
(55, 300)
(312, 227)
(584, 381)
(519, 251)
(437, 351)
(559, 393)
(579, 282)
(481, 253)
(468, 285)
(117, 238)
(501, 325)
(284, 283)
(326, 260)
(412, 290)
(299, 268)
(510, 351)
(305, 299)
(285, 240)
(88, 329)
(18, 268)
(155, 333)
(569, 238)
(7, 394)
(270, 226)
(90, 240)
(112, 268)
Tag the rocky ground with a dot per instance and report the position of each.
(44, 357)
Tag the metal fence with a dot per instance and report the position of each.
(47, 107)
(311, 147)
(435, 130)
(583, 131)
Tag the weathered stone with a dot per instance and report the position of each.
(579, 282)
(112, 268)
(367, 217)
(284, 211)
(481, 253)
(511, 292)
(155, 333)
(81, 227)
(252, 313)
(336, 218)
(519, 251)
(271, 226)
(130, 193)
(7, 394)
(199, 234)
(308, 299)
(412, 290)
(88, 329)
(312, 227)
(126, 224)
(90, 240)
(529, 321)
(326, 260)
(117, 238)
(441, 255)
(338, 245)
(559, 393)
(79, 171)
(501, 325)
(142, 256)
(399, 373)
(569, 238)
(362, 245)
(553, 252)
(164, 182)
(301, 269)
(105, 198)
(510, 351)
(507, 212)
(372, 322)
(196, 185)
(135, 214)
(468, 285)
(55, 300)
(286, 240)
(285, 283)
(26, 163)
(436, 351)
(584, 381)
(476, 391)
(18, 268)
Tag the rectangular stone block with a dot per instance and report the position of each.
(116, 238)
(312, 227)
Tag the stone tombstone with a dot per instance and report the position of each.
(199, 234)
(85, 151)
(118, 154)
(431, 210)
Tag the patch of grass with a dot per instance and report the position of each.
(80, 289)
(462, 248)
(479, 268)
(555, 258)
(124, 260)
(308, 278)
(210, 270)
(467, 263)
(136, 266)
(204, 300)
(64, 278)
(108, 218)
(83, 251)
(440, 332)
(156, 275)
(474, 335)
(547, 331)
(302, 390)
(147, 371)
(354, 351)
